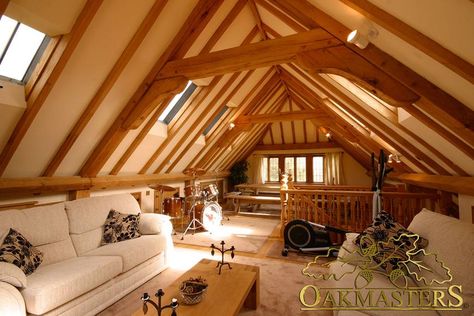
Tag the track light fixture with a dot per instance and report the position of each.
(360, 40)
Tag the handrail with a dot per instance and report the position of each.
(351, 210)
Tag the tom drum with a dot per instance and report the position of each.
(173, 206)
(211, 191)
(192, 191)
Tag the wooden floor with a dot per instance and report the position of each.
(127, 305)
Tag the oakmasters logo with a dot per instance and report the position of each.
(381, 276)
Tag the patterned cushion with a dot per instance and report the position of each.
(119, 227)
(20, 252)
(392, 241)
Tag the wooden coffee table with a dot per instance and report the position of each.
(226, 293)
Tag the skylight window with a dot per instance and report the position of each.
(215, 120)
(177, 103)
(19, 45)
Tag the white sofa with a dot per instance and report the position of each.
(78, 276)
(450, 238)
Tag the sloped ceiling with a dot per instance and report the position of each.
(80, 105)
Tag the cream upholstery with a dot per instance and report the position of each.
(133, 251)
(151, 223)
(87, 218)
(54, 236)
(11, 274)
(67, 284)
(448, 237)
(89, 214)
(451, 239)
(11, 301)
(106, 294)
(53, 285)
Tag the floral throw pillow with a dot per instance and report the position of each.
(16, 249)
(387, 242)
(119, 227)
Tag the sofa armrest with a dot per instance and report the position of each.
(154, 224)
(11, 301)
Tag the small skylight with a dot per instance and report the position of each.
(215, 120)
(19, 45)
(177, 103)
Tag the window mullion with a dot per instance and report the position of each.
(9, 42)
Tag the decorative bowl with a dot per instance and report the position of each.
(192, 290)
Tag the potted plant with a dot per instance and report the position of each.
(238, 174)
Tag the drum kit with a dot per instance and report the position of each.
(199, 204)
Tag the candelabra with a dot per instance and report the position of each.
(223, 251)
(146, 299)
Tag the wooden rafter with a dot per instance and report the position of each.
(105, 87)
(320, 145)
(332, 90)
(56, 66)
(192, 27)
(399, 144)
(282, 16)
(137, 141)
(414, 38)
(3, 6)
(264, 89)
(458, 117)
(463, 185)
(204, 126)
(251, 56)
(36, 185)
(279, 117)
(232, 137)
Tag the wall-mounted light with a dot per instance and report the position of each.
(360, 40)
(231, 125)
(328, 135)
(393, 157)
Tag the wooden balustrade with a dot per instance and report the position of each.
(350, 210)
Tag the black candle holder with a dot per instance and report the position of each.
(147, 299)
(223, 251)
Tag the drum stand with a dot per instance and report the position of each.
(192, 225)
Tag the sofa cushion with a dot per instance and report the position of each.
(11, 274)
(45, 227)
(87, 218)
(53, 285)
(132, 251)
(16, 249)
(120, 227)
(452, 240)
(389, 242)
(150, 223)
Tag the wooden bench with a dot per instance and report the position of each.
(237, 199)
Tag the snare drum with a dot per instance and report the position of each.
(211, 216)
(210, 192)
(192, 191)
(173, 206)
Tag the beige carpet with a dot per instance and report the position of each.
(280, 284)
(246, 234)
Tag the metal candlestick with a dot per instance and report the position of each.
(223, 251)
(146, 299)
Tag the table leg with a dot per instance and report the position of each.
(253, 298)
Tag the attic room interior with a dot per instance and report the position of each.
(237, 157)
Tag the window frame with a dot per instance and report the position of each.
(34, 60)
(282, 166)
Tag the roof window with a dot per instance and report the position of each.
(20, 49)
(177, 103)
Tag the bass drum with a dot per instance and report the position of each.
(211, 216)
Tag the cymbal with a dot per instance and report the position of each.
(161, 187)
(194, 171)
